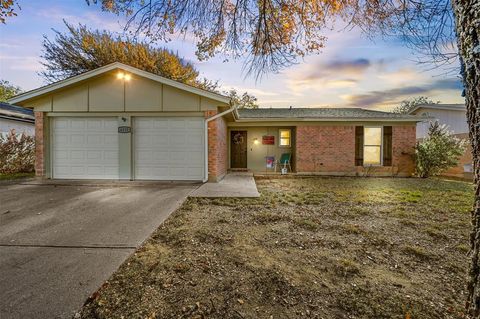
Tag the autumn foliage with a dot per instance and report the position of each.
(17, 153)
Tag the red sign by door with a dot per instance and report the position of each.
(268, 140)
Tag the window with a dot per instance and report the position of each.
(285, 137)
(372, 146)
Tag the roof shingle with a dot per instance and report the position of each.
(320, 113)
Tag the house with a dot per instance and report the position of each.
(119, 122)
(17, 118)
(455, 117)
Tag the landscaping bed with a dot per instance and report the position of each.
(15, 176)
(307, 248)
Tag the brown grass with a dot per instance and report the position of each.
(308, 248)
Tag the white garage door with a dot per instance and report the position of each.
(85, 148)
(169, 148)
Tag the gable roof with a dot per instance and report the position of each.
(110, 67)
(448, 107)
(323, 114)
(17, 113)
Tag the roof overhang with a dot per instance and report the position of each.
(33, 94)
(448, 107)
(17, 119)
(333, 119)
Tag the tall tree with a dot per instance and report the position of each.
(407, 105)
(274, 33)
(8, 90)
(467, 17)
(80, 50)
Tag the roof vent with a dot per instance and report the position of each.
(291, 107)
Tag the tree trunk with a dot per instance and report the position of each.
(467, 19)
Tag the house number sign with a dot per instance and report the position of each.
(124, 129)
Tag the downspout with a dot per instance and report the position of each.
(216, 116)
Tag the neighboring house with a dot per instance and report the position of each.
(18, 118)
(118, 122)
(455, 117)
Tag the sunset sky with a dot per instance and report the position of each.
(352, 71)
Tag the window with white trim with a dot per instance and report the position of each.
(285, 137)
(372, 145)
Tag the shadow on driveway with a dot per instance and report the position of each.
(58, 244)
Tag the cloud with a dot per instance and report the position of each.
(25, 63)
(335, 73)
(374, 98)
(323, 71)
(253, 91)
(342, 83)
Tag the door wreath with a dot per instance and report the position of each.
(238, 139)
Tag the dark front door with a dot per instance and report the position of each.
(238, 140)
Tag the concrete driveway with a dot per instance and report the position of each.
(58, 244)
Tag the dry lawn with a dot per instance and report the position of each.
(307, 248)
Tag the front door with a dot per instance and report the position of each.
(238, 149)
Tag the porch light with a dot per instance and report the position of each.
(123, 76)
(255, 141)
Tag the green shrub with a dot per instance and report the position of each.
(438, 151)
(17, 153)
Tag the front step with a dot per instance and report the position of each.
(238, 170)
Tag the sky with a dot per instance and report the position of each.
(351, 71)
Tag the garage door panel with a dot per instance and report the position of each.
(77, 155)
(178, 140)
(111, 139)
(58, 125)
(77, 170)
(196, 171)
(177, 124)
(77, 124)
(111, 155)
(85, 148)
(195, 125)
(159, 124)
(169, 148)
(60, 155)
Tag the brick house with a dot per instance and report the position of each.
(119, 122)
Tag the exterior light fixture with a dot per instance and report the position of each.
(123, 76)
(255, 141)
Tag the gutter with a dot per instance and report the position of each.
(332, 119)
(18, 119)
(216, 116)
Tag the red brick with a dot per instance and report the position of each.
(217, 147)
(330, 150)
(40, 144)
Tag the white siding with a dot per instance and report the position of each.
(20, 127)
(455, 119)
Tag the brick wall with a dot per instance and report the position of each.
(217, 147)
(39, 144)
(330, 150)
(403, 141)
(466, 158)
(327, 149)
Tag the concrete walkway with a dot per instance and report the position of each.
(59, 243)
(239, 184)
